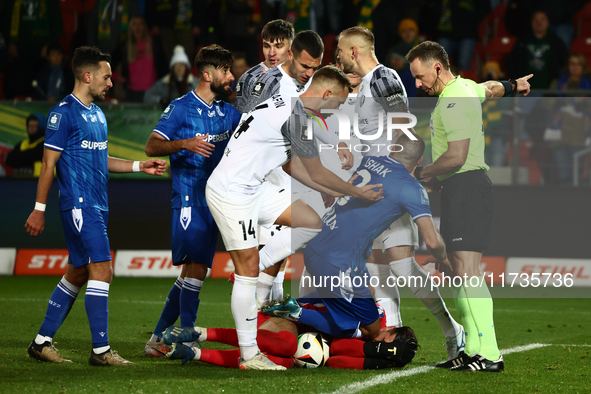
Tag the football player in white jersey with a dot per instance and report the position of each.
(381, 92)
(240, 199)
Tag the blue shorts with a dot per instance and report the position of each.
(349, 306)
(86, 235)
(194, 235)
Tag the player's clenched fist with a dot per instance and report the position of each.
(199, 145)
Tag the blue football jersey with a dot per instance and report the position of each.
(185, 118)
(351, 225)
(79, 132)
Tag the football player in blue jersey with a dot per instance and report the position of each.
(336, 258)
(76, 146)
(194, 131)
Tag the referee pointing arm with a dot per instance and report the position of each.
(457, 140)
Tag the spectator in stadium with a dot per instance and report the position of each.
(176, 22)
(109, 22)
(33, 26)
(278, 338)
(577, 76)
(26, 156)
(539, 52)
(408, 30)
(458, 28)
(175, 84)
(138, 61)
(55, 80)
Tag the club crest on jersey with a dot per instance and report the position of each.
(219, 111)
(239, 89)
(167, 112)
(361, 100)
(93, 118)
(54, 121)
(211, 114)
(100, 118)
(257, 89)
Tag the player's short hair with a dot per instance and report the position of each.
(412, 150)
(214, 56)
(361, 32)
(428, 52)
(332, 74)
(31, 118)
(87, 57)
(278, 30)
(309, 41)
(406, 332)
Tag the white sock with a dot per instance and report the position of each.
(40, 339)
(277, 289)
(408, 268)
(264, 285)
(102, 349)
(155, 339)
(197, 353)
(283, 244)
(387, 296)
(202, 333)
(244, 311)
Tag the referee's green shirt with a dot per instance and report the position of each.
(458, 116)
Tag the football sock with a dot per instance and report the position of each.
(386, 293)
(347, 347)
(264, 285)
(324, 322)
(481, 306)
(277, 289)
(472, 341)
(171, 309)
(189, 301)
(244, 311)
(97, 310)
(283, 244)
(428, 295)
(60, 304)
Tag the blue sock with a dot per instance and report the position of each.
(171, 309)
(190, 301)
(60, 304)
(97, 310)
(323, 322)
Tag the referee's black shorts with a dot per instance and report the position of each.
(467, 211)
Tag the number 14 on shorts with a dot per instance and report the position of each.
(251, 230)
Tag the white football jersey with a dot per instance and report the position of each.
(381, 91)
(263, 141)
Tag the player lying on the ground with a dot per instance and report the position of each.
(278, 339)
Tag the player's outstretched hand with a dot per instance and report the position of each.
(368, 193)
(444, 267)
(523, 86)
(199, 145)
(153, 167)
(35, 223)
(347, 158)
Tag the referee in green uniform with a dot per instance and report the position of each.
(457, 140)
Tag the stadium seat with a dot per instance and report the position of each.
(582, 45)
(498, 49)
(582, 21)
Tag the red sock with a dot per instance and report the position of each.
(223, 335)
(346, 347)
(223, 358)
(281, 344)
(345, 362)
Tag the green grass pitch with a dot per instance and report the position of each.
(135, 305)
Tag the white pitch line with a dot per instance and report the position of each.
(389, 377)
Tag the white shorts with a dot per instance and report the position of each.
(239, 215)
(403, 231)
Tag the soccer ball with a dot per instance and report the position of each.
(313, 350)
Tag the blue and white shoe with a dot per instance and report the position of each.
(456, 345)
(288, 309)
(182, 352)
(180, 334)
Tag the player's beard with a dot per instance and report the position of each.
(98, 96)
(220, 89)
